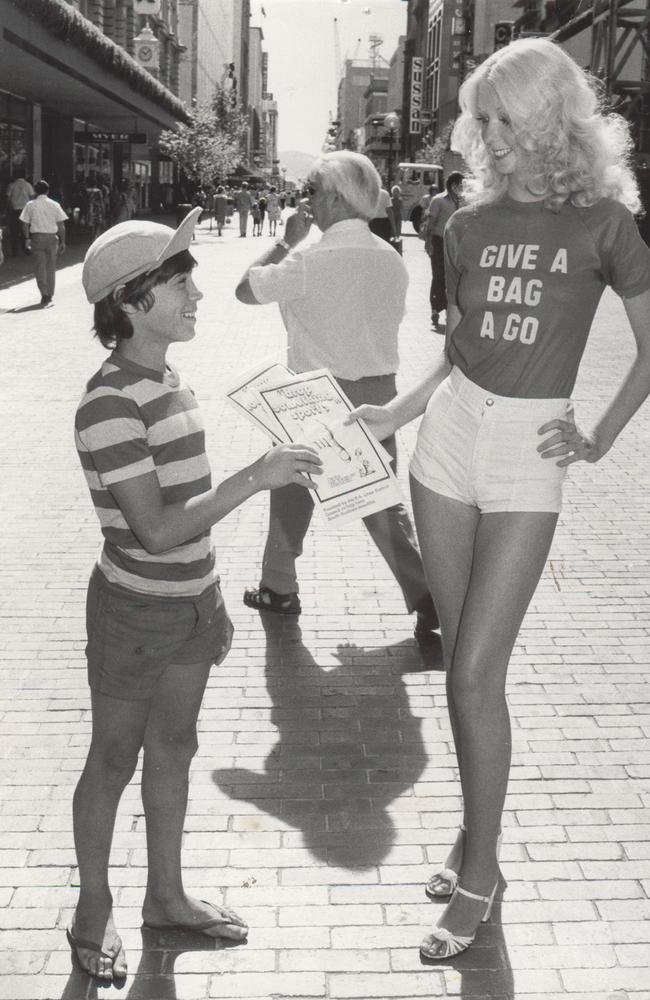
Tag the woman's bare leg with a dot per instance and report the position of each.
(446, 532)
(509, 553)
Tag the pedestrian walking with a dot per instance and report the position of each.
(123, 202)
(43, 222)
(19, 192)
(156, 620)
(342, 300)
(256, 216)
(94, 216)
(383, 222)
(396, 205)
(274, 210)
(243, 204)
(262, 202)
(220, 208)
(441, 207)
(547, 226)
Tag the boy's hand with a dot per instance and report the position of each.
(287, 463)
(379, 420)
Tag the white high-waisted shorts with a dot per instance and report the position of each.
(481, 449)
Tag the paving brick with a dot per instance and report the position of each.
(334, 960)
(281, 984)
(421, 984)
(608, 979)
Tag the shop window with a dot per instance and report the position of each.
(13, 151)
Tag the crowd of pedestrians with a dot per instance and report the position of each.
(528, 239)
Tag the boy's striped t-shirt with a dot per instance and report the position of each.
(134, 420)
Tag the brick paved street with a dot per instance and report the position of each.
(324, 790)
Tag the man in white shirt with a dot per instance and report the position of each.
(18, 194)
(342, 300)
(43, 225)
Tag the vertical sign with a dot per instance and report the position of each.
(415, 110)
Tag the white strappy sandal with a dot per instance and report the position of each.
(443, 883)
(453, 944)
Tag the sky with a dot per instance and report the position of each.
(299, 39)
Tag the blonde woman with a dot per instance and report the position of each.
(548, 223)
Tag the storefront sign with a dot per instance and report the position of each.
(134, 137)
(415, 108)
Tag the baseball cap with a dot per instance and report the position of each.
(130, 249)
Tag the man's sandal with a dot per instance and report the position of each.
(264, 599)
(76, 943)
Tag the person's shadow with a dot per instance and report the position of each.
(347, 745)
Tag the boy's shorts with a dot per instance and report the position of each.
(133, 638)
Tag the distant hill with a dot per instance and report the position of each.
(298, 164)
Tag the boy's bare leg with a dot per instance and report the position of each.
(170, 743)
(117, 735)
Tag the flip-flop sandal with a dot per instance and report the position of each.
(265, 599)
(77, 942)
(202, 926)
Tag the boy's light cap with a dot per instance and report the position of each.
(130, 249)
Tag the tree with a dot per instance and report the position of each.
(436, 151)
(209, 146)
(230, 119)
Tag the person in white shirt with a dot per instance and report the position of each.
(19, 193)
(44, 227)
(342, 300)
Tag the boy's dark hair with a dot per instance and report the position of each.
(112, 324)
(41, 187)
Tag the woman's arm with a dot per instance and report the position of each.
(385, 420)
(632, 392)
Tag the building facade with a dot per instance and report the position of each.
(208, 33)
(445, 40)
(354, 82)
(75, 103)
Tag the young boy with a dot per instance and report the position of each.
(155, 617)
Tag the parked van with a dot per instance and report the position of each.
(415, 179)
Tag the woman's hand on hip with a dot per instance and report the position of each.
(569, 443)
(379, 420)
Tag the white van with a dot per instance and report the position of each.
(415, 179)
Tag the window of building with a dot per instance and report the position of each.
(13, 148)
(91, 157)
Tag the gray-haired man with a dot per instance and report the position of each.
(342, 300)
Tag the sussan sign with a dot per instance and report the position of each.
(135, 137)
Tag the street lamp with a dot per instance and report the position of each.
(391, 124)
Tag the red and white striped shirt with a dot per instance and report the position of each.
(134, 420)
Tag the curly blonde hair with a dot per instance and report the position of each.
(571, 148)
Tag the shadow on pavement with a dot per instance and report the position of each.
(24, 309)
(484, 969)
(18, 269)
(348, 745)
